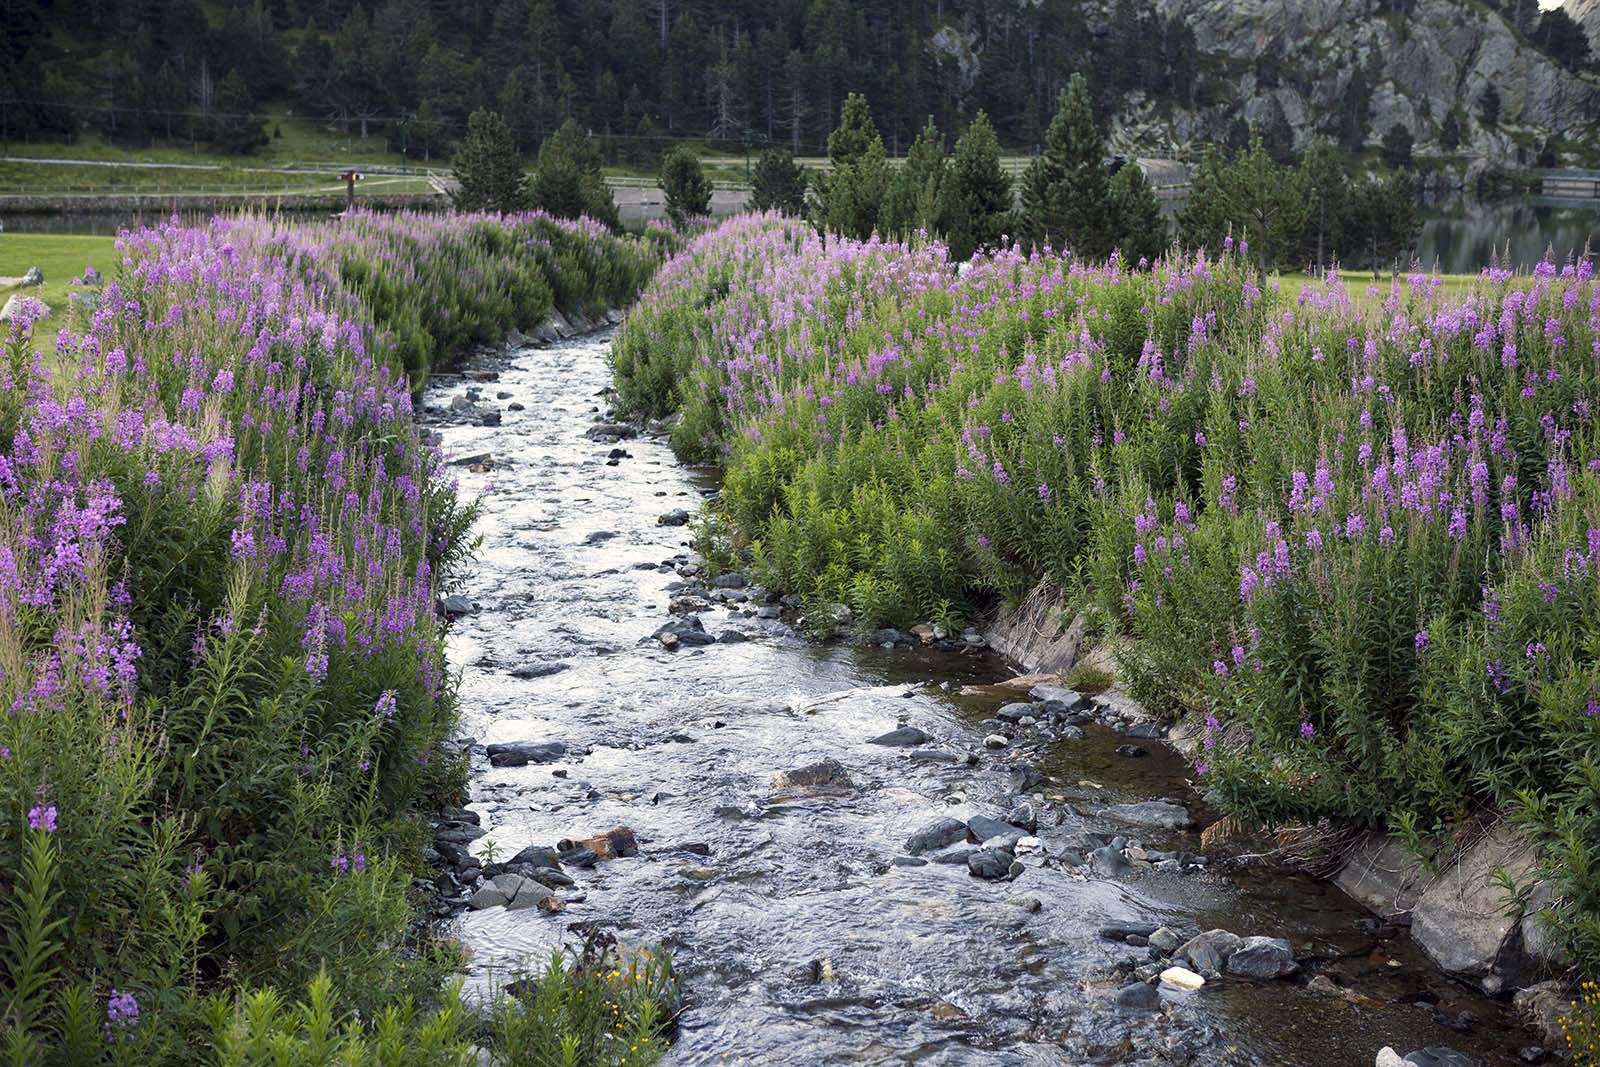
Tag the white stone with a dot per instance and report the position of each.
(1388, 1057)
(1182, 978)
(995, 741)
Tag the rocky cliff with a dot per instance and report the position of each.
(1310, 58)
(1587, 12)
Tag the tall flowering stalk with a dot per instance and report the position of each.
(1353, 528)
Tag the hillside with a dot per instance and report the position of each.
(1493, 81)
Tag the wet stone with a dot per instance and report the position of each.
(1438, 1056)
(522, 753)
(904, 737)
(936, 835)
(934, 755)
(675, 517)
(1263, 957)
(1016, 712)
(908, 861)
(992, 864)
(1138, 997)
(537, 670)
(1153, 813)
(1107, 860)
(1131, 751)
(995, 741)
(455, 605)
(614, 430)
(825, 778)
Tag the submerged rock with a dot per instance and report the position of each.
(522, 753)
(825, 778)
(904, 737)
(993, 864)
(1154, 813)
(1263, 957)
(935, 835)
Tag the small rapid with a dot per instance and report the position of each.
(802, 931)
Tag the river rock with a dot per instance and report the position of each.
(522, 753)
(953, 856)
(1028, 903)
(986, 828)
(825, 778)
(933, 755)
(1068, 699)
(1107, 861)
(1263, 957)
(1153, 813)
(1462, 921)
(511, 891)
(935, 835)
(1182, 978)
(615, 842)
(1023, 815)
(1388, 1057)
(537, 670)
(1138, 997)
(1439, 1056)
(995, 741)
(992, 864)
(1165, 939)
(1016, 712)
(904, 737)
(1123, 931)
(1207, 953)
(675, 517)
(455, 605)
(489, 418)
(614, 430)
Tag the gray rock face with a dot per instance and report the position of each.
(936, 835)
(1154, 813)
(1439, 58)
(1263, 957)
(1463, 920)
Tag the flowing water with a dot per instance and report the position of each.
(797, 939)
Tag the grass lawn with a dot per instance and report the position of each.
(1360, 285)
(61, 257)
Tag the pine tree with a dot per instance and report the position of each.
(1140, 226)
(1489, 106)
(235, 127)
(975, 200)
(1068, 191)
(487, 168)
(1385, 219)
(912, 202)
(686, 185)
(779, 183)
(567, 181)
(1324, 178)
(1269, 201)
(1397, 145)
(1450, 131)
(1204, 220)
(850, 196)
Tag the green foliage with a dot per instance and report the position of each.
(1136, 215)
(912, 203)
(1384, 221)
(1258, 201)
(1324, 175)
(1489, 106)
(596, 1011)
(488, 167)
(687, 188)
(975, 196)
(778, 183)
(567, 181)
(1397, 143)
(1066, 192)
(850, 195)
(1359, 536)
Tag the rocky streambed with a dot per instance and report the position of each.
(858, 852)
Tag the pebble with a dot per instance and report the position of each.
(995, 741)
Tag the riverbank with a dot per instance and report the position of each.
(1271, 501)
(841, 861)
(223, 574)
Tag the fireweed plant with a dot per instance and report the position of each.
(1358, 541)
(222, 538)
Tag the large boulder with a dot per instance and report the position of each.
(1464, 920)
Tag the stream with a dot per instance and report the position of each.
(799, 937)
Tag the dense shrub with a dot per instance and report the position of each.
(1359, 535)
(222, 539)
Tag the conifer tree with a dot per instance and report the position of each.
(567, 181)
(1140, 226)
(850, 196)
(686, 185)
(976, 194)
(487, 168)
(779, 183)
(912, 202)
(1067, 193)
